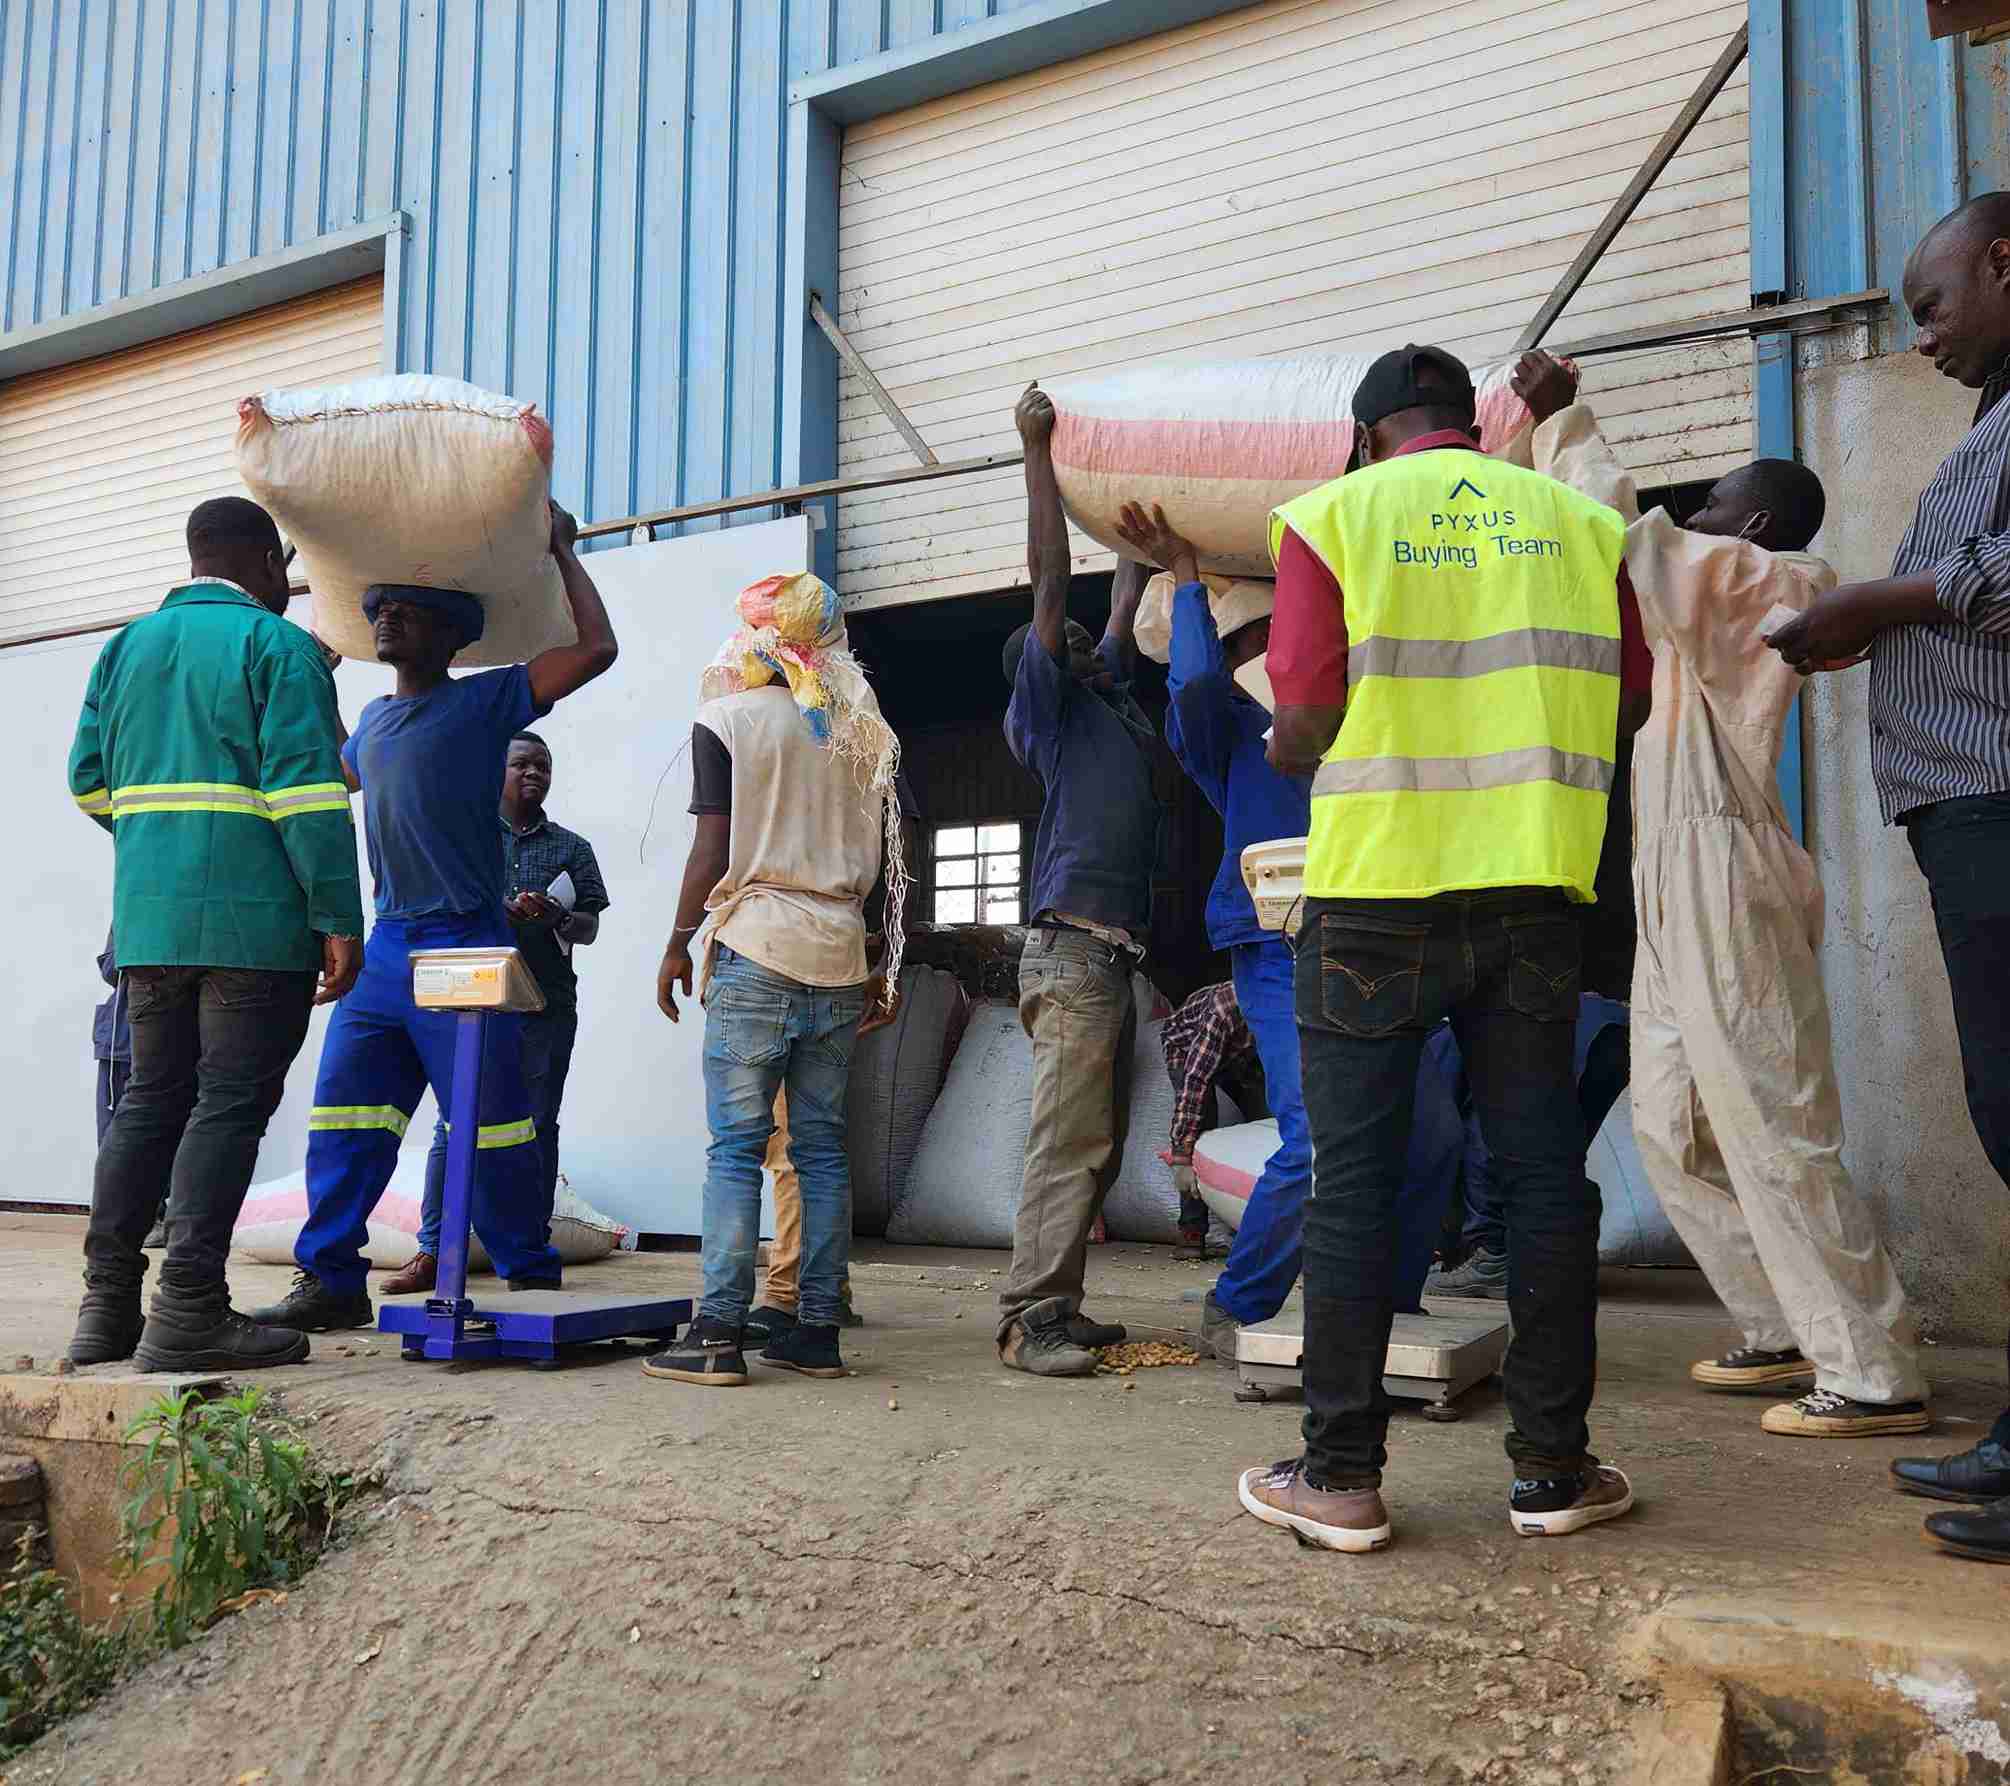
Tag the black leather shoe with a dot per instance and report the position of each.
(1095, 1334)
(1979, 1532)
(217, 1339)
(108, 1326)
(312, 1307)
(1981, 1473)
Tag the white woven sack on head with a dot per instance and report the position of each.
(412, 479)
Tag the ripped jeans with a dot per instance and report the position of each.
(763, 1031)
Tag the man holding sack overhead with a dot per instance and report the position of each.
(1448, 653)
(429, 758)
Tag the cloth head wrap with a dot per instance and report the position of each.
(792, 627)
(462, 612)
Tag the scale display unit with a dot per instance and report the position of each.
(1433, 1358)
(543, 1326)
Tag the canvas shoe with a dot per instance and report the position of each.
(1550, 1506)
(1751, 1367)
(709, 1355)
(1823, 1414)
(1350, 1519)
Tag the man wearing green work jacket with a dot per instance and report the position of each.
(210, 748)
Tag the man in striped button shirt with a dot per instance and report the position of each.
(1938, 634)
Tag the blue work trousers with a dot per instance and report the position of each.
(763, 1031)
(1269, 1247)
(381, 1053)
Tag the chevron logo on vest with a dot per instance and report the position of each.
(1466, 484)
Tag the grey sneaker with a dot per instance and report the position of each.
(1038, 1342)
(1483, 1277)
(1218, 1329)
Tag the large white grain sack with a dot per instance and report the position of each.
(412, 480)
(1633, 1228)
(963, 1189)
(274, 1212)
(1219, 446)
(896, 1072)
(1142, 1204)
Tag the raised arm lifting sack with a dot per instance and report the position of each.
(1220, 446)
(412, 480)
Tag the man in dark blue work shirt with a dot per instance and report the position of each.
(1217, 732)
(1073, 723)
(429, 759)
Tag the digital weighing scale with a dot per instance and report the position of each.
(540, 1325)
(1433, 1358)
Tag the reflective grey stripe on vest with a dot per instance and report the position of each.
(1544, 647)
(1458, 775)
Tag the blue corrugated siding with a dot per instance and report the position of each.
(596, 188)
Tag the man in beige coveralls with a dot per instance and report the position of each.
(1735, 1104)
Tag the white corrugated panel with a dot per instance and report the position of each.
(1302, 175)
(101, 462)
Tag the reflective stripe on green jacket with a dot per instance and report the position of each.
(208, 747)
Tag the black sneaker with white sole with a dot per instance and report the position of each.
(708, 1354)
(1549, 1506)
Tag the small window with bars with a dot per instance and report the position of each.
(976, 874)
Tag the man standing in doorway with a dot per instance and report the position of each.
(541, 860)
(429, 759)
(1073, 723)
(1448, 653)
(1938, 633)
(208, 747)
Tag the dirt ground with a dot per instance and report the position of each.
(938, 1570)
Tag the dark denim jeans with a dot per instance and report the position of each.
(211, 1046)
(1373, 978)
(1963, 849)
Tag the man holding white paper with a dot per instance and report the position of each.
(556, 896)
(1735, 1103)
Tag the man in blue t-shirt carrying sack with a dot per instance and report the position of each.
(429, 760)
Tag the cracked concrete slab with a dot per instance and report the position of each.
(999, 1580)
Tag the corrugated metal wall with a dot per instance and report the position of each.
(595, 188)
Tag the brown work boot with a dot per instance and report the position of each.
(423, 1274)
(1351, 1519)
(1038, 1342)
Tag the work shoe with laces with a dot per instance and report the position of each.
(1550, 1506)
(1038, 1342)
(811, 1351)
(709, 1354)
(422, 1275)
(1218, 1329)
(1752, 1367)
(1483, 1277)
(1096, 1334)
(1823, 1414)
(108, 1326)
(1281, 1494)
(214, 1337)
(312, 1306)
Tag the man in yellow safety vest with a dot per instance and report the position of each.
(1450, 644)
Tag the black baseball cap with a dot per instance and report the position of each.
(1412, 377)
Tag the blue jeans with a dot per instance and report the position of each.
(1269, 1246)
(1601, 1064)
(548, 1037)
(1374, 978)
(762, 1031)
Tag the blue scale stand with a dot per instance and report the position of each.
(540, 1325)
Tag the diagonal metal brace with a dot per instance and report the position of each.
(880, 395)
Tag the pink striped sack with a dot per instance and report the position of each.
(1220, 446)
(412, 479)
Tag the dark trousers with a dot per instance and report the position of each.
(1373, 977)
(112, 1077)
(548, 1037)
(211, 1046)
(1963, 849)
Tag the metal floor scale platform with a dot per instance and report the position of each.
(540, 1325)
(1433, 1358)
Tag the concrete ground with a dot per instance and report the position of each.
(939, 1570)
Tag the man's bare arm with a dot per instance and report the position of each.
(703, 869)
(565, 669)
(1047, 565)
(1301, 736)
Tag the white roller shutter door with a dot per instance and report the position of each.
(1302, 175)
(100, 462)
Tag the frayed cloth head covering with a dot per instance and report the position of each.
(792, 626)
(463, 612)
